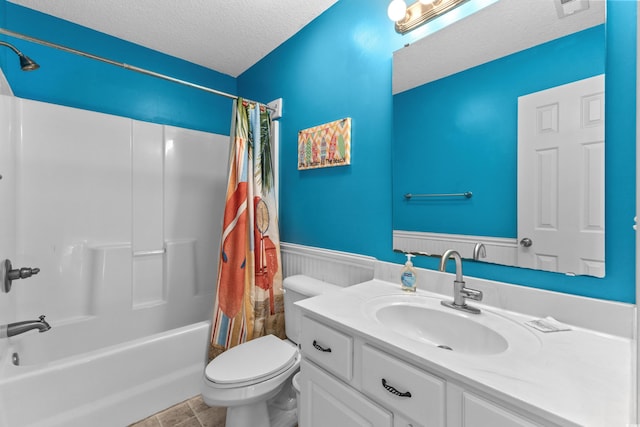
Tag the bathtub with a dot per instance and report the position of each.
(113, 386)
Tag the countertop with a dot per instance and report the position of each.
(576, 377)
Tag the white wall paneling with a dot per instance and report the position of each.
(499, 250)
(73, 190)
(8, 124)
(335, 267)
(195, 192)
(123, 218)
(147, 147)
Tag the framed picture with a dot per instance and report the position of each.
(325, 145)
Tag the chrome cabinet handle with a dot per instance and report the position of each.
(320, 348)
(526, 242)
(394, 390)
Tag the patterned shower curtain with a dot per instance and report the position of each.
(249, 301)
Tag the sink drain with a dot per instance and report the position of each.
(445, 347)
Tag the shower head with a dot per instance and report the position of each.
(26, 63)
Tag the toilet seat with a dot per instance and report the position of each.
(252, 362)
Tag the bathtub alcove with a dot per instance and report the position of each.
(123, 218)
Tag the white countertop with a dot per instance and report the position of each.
(577, 377)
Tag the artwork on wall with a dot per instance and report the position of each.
(325, 145)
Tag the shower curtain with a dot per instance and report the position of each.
(249, 298)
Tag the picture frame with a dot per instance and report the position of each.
(325, 145)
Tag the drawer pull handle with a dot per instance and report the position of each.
(319, 347)
(394, 390)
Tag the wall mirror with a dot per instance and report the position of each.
(481, 135)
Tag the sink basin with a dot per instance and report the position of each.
(424, 319)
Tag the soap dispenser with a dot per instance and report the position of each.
(408, 275)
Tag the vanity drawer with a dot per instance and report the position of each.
(327, 347)
(402, 388)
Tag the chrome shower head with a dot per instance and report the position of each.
(26, 63)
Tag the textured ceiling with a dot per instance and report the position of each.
(503, 28)
(226, 36)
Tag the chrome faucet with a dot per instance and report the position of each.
(479, 251)
(27, 325)
(460, 292)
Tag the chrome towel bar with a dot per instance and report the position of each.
(467, 194)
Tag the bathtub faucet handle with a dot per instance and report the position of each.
(23, 273)
(11, 274)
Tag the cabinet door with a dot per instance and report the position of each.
(325, 401)
(402, 388)
(477, 412)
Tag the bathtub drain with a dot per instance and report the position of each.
(15, 358)
(445, 347)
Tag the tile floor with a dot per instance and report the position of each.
(190, 413)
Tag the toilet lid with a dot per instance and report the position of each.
(253, 361)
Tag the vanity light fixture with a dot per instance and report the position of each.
(420, 12)
(397, 10)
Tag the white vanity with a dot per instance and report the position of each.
(374, 355)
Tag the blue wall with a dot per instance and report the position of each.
(473, 115)
(75, 81)
(338, 66)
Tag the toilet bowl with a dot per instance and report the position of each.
(244, 378)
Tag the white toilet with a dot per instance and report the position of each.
(244, 378)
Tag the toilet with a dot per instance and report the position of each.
(250, 377)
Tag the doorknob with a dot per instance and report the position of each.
(526, 242)
(11, 274)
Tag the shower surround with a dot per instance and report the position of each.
(123, 218)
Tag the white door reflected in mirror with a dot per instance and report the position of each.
(561, 178)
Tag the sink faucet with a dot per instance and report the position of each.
(460, 292)
(18, 328)
(479, 251)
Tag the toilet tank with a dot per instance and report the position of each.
(297, 288)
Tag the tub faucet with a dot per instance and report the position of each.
(460, 292)
(27, 325)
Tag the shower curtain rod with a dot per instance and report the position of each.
(122, 65)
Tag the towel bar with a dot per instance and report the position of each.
(466, 194)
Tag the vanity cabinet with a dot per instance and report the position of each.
(478, 412)
(328, 348)
(325, 401)
(348, 381)
(403, 388)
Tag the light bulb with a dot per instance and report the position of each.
(397, 10)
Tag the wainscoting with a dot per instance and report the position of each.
(339, 268)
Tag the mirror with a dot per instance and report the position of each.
(457, 97)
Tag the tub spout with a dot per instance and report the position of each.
(27, 325)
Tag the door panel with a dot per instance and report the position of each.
(561, 178)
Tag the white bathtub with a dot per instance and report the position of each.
(113, 386)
